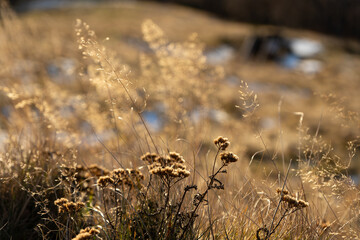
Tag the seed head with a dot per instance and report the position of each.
(149, 157)
(221, 142)
(83, 236)
(293, 202)
(228, 157)
(172, 165)
(60, 201)
(176, 157)
(279, 191)
(86, 234)
(302, 203)
(104, 181)
(65, 205)
(127, 177)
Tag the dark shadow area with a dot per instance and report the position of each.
(339, 18)
(333, 17)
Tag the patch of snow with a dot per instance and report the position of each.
(215, 115)
(220, 55)
(305, 48)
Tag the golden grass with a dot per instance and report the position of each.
(82, 161)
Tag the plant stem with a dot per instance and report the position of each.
(209, 186)
(167, 183)
(178, 211)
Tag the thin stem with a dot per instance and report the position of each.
(133, 103)
(106, 211)
(116, 208)
(67, 227)
(112, 110)
(209, 186)
(281, 135)
(282, 217)
(178, 211)
(167, 183)
(337, 219)
(210, 222)
(282, 190)
(217, 153)
(267, 150)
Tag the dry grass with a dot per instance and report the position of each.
(82, 160)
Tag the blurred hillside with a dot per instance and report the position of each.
(309, 72)
(334, 17)
(339, 18)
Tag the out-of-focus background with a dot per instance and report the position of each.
(304, 53)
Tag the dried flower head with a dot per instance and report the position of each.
(128, 177)
(302, 203)
(86, 234)
(279, 191)
(221, 142)
(104, 181)
(83, 236)
(293, 202)
(60, 201)
(65, 205)
(228, 157)
(172, 165)
(176, 157)
(149, 157)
